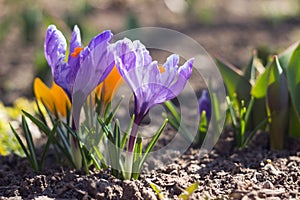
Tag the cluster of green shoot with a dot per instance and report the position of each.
(264, 97)
(59, 134)
(258, 97)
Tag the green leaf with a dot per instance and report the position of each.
(114, 149)
(138, 148)
(106, 129)
(232, 112)
(277, 103)
(101, 158)
(249, 71)
(285, 56)
(189, 191)
(107, 109)
(30, 144)
(293, 77)
(152, 143)
(252, 133)
(49, 141)
(21, 143)
(175, 121)
(113, 112)
(94, 160)
(38, 123)
(258, 113)
(249, 110)
(259, 90)
(124, 139)
(40, 112)
(157, 190)
(235, 82)
(294, 123)
(173, 110)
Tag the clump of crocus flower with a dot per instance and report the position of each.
(151, 83)
(86, 66)
(85, 69)
(91, 75)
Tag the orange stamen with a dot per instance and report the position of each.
(76, 52)
(161, 69)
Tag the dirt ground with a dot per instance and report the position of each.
(224, 173)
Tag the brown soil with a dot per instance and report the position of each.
(224, 173)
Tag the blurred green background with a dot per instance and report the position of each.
(231, 29)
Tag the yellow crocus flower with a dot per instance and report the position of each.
(54, 98)
(106, 90)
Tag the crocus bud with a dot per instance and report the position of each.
(205, 105)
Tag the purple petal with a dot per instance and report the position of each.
(124, 50)
(75, 42)
(149, 85)
(171, 66)
(54, 47)
(95, 65)
(205, 104)
(102, 57)
(186, 68)
(62, 78)
(184, 73)
(103, 37)
(144, 57)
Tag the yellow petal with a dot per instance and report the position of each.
(61, 99)
(43, 94)
(98, 90)
(53, 98)
(110, 85)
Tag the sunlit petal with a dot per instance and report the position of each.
(44, 94)
(110, 85)
(150, 83)
(61, 99)
(54, 47)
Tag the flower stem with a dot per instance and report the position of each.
(76, 154)
(129, 154)
(132, 137)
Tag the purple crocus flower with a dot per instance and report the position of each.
(205, 105)
(85, 68)
(151, 84)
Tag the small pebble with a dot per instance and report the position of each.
(268, 185)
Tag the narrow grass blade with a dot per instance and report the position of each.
(43, 118)
(101, 158)
(21, 143)
(157, 190)
(125, 136)
(252, 133)
(232, 112)
(113, 112)
(49, 141)
(30, 144)
(137, 158)
(189, 191)
(38, 123)
(173, 110)
(152, 143)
